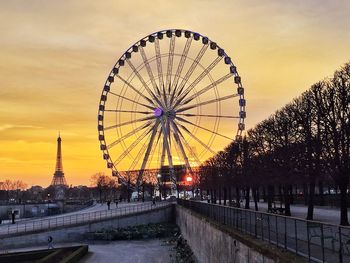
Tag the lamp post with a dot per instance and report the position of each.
(159, 176)
(48, 203)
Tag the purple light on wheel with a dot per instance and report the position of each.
(158, 112)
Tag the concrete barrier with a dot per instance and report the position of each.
(76, 233)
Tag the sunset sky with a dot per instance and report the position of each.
(56, 55)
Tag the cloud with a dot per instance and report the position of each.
(16, 126)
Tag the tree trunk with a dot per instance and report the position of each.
(230, 196)
(280, 195)
(238, 197)
(305, 193)
(269, 197)
(286, 201)
(291, 195)
(143, 193)
(247, 198)
(343, 204)
(310, 208)
(225, 195)
(320, 189)
(255, 196)
(264, 194)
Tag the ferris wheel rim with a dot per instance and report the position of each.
(115, 70)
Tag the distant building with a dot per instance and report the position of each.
(36, 189)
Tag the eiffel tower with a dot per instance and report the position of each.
(58, 177)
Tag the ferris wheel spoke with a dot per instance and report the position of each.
(135, 89)
(145, 159)
(149, 70)
(206, 102)
(132, 146)
(158, 142)
(165, 97)
(192, 153)
(207, 115)
(133, 101)
(168, 151)
(129, 122)
(162, 159)
(143, 83)
(181, 63)
(205, 129)
(138, 156)
(197, 80)
(190, 70)
(194, 137)
(170, 63)
(130, 111)
(182, 150)
(124, 137)
(160, 71)
(207, 88)
(159, 63)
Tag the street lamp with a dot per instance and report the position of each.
(159, 176)
(48, 201)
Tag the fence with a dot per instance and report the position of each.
(75, 219)
(316, 241)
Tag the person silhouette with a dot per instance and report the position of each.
(13, 216)
(49, 242)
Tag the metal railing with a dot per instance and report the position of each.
(316, 241)
(49, 223)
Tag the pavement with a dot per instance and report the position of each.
(130, 251)
(95, 212)
(93, 208)
(321, 213)
(325, 214)
(133, 251)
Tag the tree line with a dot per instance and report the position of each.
(304, 145)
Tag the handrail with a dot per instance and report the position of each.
(53, 222)
(314, 240)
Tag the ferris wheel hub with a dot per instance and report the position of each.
(158, 112)
(171, 114)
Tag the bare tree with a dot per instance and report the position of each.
(103, 183)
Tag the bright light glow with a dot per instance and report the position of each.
(189, 179)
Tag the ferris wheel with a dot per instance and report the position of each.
(174, 98)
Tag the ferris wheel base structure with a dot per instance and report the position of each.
(173, 98)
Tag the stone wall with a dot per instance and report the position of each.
(212, 243)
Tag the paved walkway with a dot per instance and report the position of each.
(140, 251)
(321, 213)
(96, 212)
(93, 208)
(130, 251)
(324, 214)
